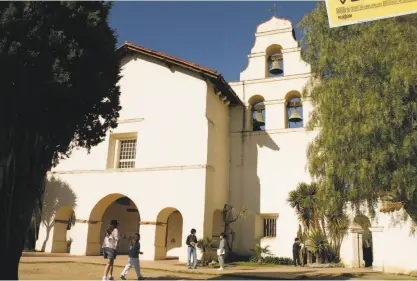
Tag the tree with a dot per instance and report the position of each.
(229, 216)
(260, 251)
(365, 104)
(59, 90)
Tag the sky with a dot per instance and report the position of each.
(216, 35)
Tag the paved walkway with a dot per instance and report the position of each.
(274, 272)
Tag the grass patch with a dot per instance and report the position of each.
(252, 264)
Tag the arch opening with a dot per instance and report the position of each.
(63, 223)
(294, 113)
(257, 108)
(168, 234)
(112, 207)
(367, 245)
(274, 61)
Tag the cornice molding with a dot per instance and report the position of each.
(272, 131)
(135, 170)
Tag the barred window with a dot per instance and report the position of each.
(127, 154)
(270, 227)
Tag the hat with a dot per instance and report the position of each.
(114, 222)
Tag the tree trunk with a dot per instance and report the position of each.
(21, 182)
(309, 257)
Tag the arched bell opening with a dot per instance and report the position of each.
(274, 61)
(294, 110)
(257, 107)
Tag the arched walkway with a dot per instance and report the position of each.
(168, 234)
(63, 222)
(114, 206)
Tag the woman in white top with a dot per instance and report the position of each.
(110, 248)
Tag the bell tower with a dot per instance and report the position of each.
(275, 52)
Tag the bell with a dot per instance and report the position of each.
(276, 68)
(295, 116)
(259, 117)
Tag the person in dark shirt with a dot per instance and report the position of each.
(296, 252)
(192, 250)
(133, 258)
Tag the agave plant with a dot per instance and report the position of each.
(317, 243)
(260, 251)
(206, 247)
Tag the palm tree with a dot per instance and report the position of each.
(206, 246)
(260, 251)
(337, 225)
(305, 201)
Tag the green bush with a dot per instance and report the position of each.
(273, 260)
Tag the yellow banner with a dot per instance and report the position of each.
(346, 12)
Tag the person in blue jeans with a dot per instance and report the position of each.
(192, 248)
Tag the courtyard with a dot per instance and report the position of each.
(37, 266)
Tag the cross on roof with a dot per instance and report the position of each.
(274, 9)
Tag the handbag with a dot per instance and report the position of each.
(220, 252)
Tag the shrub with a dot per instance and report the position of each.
(273, 260)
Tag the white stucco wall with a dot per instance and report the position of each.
(173, 166)
(392, 244)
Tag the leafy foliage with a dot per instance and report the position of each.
(365, 103)
(206, 246)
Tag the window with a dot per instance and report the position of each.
(270, 227)
(127, 154)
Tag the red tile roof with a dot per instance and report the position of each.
(213, 76)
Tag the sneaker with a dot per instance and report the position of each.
(141, 278)
(104, 278)
(189, 267)
(221, 268)
(122, 277)
(111, 278)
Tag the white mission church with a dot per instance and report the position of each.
(209, 143)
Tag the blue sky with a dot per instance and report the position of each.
(217, 35)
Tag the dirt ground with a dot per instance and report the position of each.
(83, 271)
(77, 271)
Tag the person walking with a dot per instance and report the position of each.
(192, 250)
(133, 258)
(110, 244)
(221, 251)
(296, 252)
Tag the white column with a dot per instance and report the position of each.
(147, 237)
(377, 248)
(275, 116)
(351, 251)
(79, 235)
(307, 110)
(248, 119)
